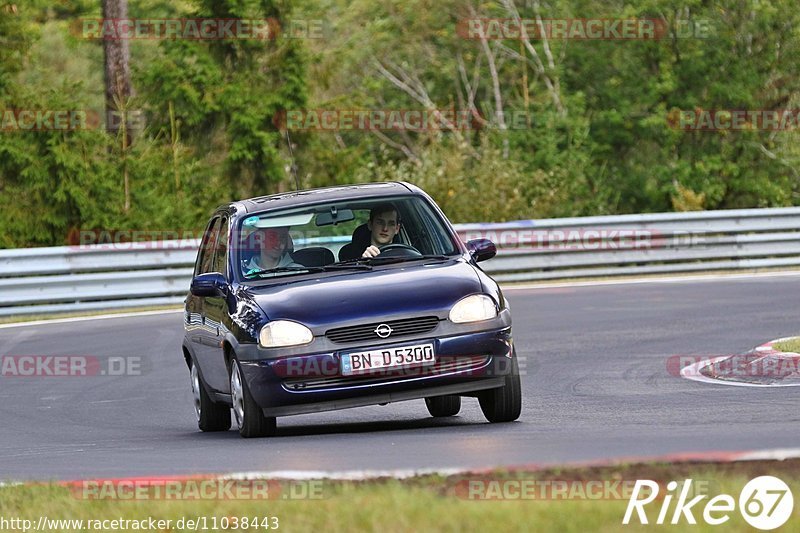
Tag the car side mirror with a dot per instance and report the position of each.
(481, 249)
(210, 284)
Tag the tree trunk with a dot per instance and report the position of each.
(117, 68)
(118, 85)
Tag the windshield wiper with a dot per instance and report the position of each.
(354, 261)
(326, 268)
(283, 269)
(401, 259)
(352, 266)
(378, 260)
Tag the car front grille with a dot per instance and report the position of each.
(367, 332)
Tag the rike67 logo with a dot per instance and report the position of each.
(765, 503)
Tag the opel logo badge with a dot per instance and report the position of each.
(383, 331)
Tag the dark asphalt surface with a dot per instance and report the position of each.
(596, 386)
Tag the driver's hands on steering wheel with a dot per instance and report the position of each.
(371, 251)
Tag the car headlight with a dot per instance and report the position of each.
(473, 308)
(284, 333)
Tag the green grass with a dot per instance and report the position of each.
(790, 345)
(428, 503)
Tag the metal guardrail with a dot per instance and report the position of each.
(642, 244)
(94, 277)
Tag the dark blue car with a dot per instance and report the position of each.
(343, 297)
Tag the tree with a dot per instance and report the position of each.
(118, 86)
(228, 93)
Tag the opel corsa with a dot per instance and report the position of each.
(343, 297)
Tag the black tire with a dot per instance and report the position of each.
(504, 404)
(440, 406)
(249, 417)
(211, 416)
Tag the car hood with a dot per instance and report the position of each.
(387, 292)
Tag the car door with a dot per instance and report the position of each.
(202, 335)
(215, 309)
(193, 312)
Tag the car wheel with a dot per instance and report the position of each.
(210, 416)
(249, 417)
(505, 403)
(443, 405)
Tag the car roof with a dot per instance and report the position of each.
(324, 194)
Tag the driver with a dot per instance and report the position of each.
(383, 225)
(273, 246)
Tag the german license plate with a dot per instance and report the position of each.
(355, 363)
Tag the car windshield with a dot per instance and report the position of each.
(335, 236)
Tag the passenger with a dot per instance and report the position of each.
(273, 246)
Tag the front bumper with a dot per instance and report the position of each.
(465, 363)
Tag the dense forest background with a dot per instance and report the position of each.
(596, 135)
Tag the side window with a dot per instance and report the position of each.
(205, 256)
(221, 253)
(426, 235)
(416, 228)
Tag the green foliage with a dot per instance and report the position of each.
(590, 130)
(612, 150)
(219, 141)
(234, 89)
(17, 33)
(458, 182)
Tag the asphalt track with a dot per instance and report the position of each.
(596, 386)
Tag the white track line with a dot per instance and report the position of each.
(671, 279)
(85, 318)
(693, 373)
(779, 454)
(350, 475)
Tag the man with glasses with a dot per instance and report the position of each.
(383, 225)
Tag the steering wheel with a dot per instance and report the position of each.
(399, 250)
